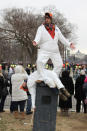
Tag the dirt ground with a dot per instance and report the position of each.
(73, 122)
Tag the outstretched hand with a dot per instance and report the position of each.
(34, 43)
(72, 46)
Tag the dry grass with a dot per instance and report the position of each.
(74, 122)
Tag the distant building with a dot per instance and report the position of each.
(77, 58)
(79, 55)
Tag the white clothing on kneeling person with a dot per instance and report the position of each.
(31, 83)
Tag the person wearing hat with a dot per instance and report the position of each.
(46, 39)
(79, 93)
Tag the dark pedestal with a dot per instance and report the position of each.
(46, 108)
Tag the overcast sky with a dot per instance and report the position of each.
(74, 10)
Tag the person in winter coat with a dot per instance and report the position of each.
(68, 83)
(79, 94)
(10, 90)
(1, 83)
(46, 39)
(1, 91)
(19, 96)
(29, 103)
(85, 91)
(4, 90)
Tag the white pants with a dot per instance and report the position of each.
(43, 57)
(31, 83)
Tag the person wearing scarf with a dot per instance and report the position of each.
(46, 39)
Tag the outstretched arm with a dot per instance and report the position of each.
(37, 37)
(64, 41)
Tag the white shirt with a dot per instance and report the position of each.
(46, 42)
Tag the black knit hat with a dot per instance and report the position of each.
(47, 14)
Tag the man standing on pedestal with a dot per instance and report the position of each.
(47, 37)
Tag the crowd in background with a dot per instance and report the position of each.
(12, 76)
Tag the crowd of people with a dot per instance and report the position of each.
(11, 81)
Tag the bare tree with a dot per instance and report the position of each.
(20, 27)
